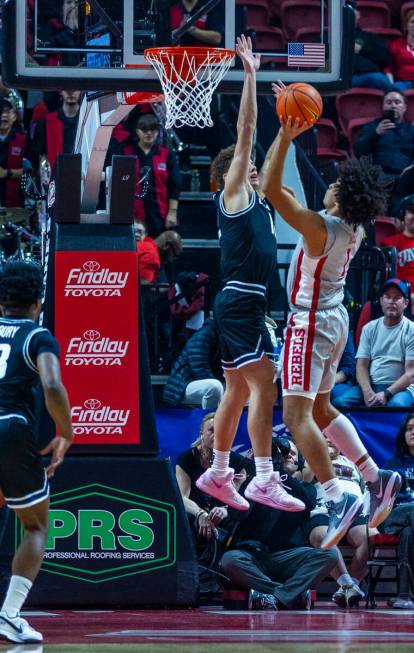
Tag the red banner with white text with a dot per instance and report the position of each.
(96, 324)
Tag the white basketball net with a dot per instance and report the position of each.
(188, 83)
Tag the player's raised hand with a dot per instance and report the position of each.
(291, 130)
(58, 448)
(244, 48)
(278, 88)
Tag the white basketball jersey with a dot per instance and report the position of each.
(317, 282)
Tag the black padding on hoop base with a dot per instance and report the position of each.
(122, 189)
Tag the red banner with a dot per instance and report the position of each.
(96, 324)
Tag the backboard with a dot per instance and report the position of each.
(98, 45)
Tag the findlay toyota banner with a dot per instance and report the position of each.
(96, 324)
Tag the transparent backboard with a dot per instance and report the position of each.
(98, 45)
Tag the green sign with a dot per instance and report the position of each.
(99, 533)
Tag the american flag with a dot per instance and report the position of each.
(306, 54)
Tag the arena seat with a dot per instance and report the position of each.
(256, 11)
(383, 552)
(355, 125)
(384, 226)
(361, 102)
(295, 15)
(405, 7)
(374, 13)
(389, 34)
(327, 140)
(308, 34)
(267, 38)
(409, 95)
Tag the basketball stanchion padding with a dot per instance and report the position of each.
(122, 189)
(301, 101)
(189, 77)
(65, 196)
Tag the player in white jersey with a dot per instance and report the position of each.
(318, 326)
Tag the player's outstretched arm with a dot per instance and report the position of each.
(57, 404)
(235, 185)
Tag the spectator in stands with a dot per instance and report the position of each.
(187, 297)
(385, 356)
(390, 139)
(56, 134)
(204, 512)
(62, 32)
(345, 374)
(170, 247)
(371, 56)
(158, 175)
(401, 520)
(401, 70)
(13, 146)
(403, 241)
(349, 593)
(196, 377)
(207, 30)
(149, 261)
(268, 552)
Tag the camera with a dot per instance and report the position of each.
(389, 115)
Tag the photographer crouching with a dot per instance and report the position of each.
(268, 555)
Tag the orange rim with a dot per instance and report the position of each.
(199, 54)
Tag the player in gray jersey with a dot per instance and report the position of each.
(29, 355)
(317, 327)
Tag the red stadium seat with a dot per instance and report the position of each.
(295, 14)
(374, 13)
(405, 8)
(361, 102)
(383, 552)
(355, 125)
(409, 95)
(308, 35)
(387, 33)
(256, 12)
(327, 139)
(384, 226)
(270, 39)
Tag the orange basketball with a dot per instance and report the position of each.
(299, 101)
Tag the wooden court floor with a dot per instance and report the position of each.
(322, 630)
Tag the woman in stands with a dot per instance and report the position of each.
(401, 70)
(401, 520)
(204, 512)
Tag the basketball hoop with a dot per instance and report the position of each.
(189, 77)
(141, 97)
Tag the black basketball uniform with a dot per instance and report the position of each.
(23, 479)
(248, 259)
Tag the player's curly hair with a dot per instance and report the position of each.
(21, 284)
(221, 164)
(361, 191)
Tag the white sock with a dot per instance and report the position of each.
(345, 579)
(343, 434)
(264, 468)
(19, 587)
(369, 470)
(333, 490)
(220, 466)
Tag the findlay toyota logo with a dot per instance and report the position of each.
(95, 350)
(93, 418)
(94, 280)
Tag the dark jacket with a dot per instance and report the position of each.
(404, 465)
(198, 360)
(393, 151)
(347, 363)
(274, 528)
(14, 149)
(374, 54)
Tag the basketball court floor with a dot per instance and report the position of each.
(325, 629)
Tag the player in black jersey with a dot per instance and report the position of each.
(28, 354)
(248, 258)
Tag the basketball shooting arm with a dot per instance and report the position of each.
(57, 404)
(309, 223)
(237, 189)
